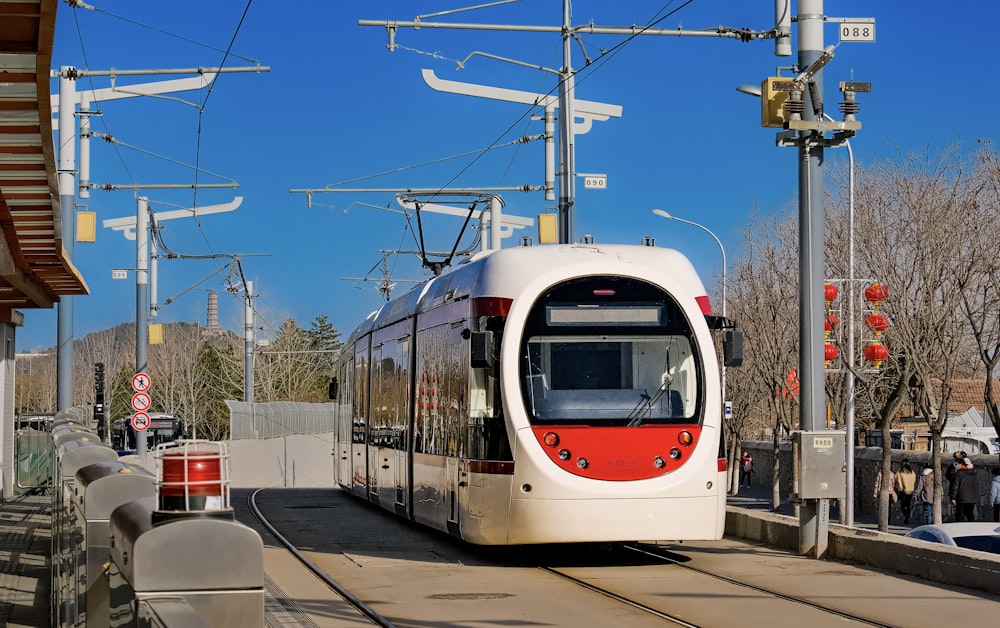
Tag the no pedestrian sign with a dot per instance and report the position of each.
(140, 421)
(141, 382)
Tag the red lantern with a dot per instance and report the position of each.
(829, 322)
(830, 293)
(876, 353)
(876, 293)
(878, 323)
(830, 352)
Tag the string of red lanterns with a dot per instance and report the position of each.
(877, 322)
(875, 352)
(830, 351)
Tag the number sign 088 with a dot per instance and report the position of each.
(857, 31)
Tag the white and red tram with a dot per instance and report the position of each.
(546, 394)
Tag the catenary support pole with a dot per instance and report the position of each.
(566, 178)
(248, 345)
(67, 196)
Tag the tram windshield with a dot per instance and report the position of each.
(610, 363)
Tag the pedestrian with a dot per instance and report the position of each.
(995, 493)
(964, 492)
(891, 485)
(746, 468)
(957, 458)
(924, 493)
(949, 474)
(906, 482)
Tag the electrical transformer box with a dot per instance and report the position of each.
(822, 464)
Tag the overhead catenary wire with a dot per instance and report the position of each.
(79, 4)
(201, 113)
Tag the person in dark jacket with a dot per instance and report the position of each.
(964, 492)
(949, 473)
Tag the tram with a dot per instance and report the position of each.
(540, 394)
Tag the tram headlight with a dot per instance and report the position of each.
(685, 438)
(659, 462)
(564, 454)
(583, 463)
(551, 439)
(675, 454)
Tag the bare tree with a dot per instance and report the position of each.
(912, 226)
(981, 276)
(174, 369)
(764, 300)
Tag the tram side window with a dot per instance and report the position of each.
(442, 390)
(359, 420)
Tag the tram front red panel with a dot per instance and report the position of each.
(618, 453)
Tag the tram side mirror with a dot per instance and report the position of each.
(334, 388)
(732, 348)
(481, 348)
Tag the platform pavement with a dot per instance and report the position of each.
(25, 545)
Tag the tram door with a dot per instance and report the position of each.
(359, 421)
(389, 419)
(345, 412)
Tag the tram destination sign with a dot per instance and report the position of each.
(611, 314)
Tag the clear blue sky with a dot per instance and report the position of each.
(337, 106)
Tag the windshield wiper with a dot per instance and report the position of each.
(645, 406)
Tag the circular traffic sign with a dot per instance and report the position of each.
(140, 421)
(141, 382)
(141, 401)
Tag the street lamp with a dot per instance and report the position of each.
(849, 411)
(663, 214)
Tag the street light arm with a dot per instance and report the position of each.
(664, 214)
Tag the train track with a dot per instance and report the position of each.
(339, 589)
(667, 558)
(784, 596)
(361, 553)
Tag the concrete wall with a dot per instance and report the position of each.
(948, 565)
(867, 464)
(299, 460)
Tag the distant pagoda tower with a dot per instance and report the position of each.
(212, 328)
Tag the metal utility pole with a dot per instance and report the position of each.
(813, 513)
(141, 301)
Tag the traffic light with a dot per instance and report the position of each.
(99, 398)
(99, 381)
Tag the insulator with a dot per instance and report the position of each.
(849, 107)
(794, 106)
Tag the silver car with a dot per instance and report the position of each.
(983, 536)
